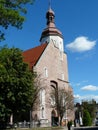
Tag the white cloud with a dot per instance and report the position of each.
(90, 88)
(81, 44)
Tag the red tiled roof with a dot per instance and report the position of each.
(31, 56)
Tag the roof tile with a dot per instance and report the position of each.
(31, 56)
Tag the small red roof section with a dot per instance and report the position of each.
(31, 56)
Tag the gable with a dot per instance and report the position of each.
(32, 56)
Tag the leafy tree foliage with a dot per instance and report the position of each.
(16, 84)
(90, 106)
(86, 118)
(11, 13)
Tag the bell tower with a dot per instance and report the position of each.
(51, 33)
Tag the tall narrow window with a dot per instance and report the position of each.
(62, 76)
(45, 72)
(42, 96)
(42, 103)
(43, 112)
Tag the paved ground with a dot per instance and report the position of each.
(65, 128)
(82, 128)
(86, 128)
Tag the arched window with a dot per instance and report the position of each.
(54, 89)
(54, 84)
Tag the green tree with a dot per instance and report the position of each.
(11, 14)
(90, 106)
(16, 84)
(86, 118)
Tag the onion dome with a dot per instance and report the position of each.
(51, 29)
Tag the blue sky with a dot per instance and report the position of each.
(78, 22)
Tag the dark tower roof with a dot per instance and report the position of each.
(51, 28)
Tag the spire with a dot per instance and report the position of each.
(50, 18)
(51, 29)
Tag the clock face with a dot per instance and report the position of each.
(58, 44)
(55, 43)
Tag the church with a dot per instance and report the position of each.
(50, 62)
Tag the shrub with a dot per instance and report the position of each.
(86, 118)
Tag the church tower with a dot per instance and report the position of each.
(51, 33)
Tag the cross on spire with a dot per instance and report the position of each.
(49, 4)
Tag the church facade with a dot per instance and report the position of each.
(50, 62)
